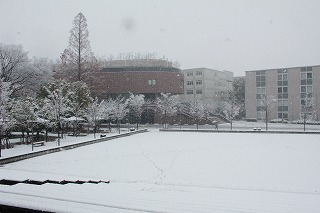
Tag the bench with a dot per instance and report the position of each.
(40, 143)
(105, 131)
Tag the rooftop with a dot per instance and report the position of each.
(140, 69)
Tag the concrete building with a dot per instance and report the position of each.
(283, 93)
(207, 84)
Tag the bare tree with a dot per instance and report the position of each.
(14, 66)
(77, 59)
(41, 71)
(307, 105)
(6, 121)
(265, 104)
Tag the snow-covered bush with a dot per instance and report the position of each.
(135, 103)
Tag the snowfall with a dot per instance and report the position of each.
(159, 171)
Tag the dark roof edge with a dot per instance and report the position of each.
(138, 69)
(282, 68)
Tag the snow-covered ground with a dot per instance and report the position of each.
(175, 172)
(67, 140)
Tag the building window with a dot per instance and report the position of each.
(189, 92)
(189, 73)
(198, 92)
(305, 69)
(199, 73)
(199, 82)
(152, 82)
(260, 94)
(306, 89)
(283, 106)
(189, 82)
(260, 114)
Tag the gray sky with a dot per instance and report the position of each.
(234, 35)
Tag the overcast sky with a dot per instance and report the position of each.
(234, 35)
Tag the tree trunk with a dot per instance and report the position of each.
(197, 124)
(0, 142)
(118, 122)
(94, 131)
(46, 135)
(23, 137)
(138, 120)
(7, 141)
(267, 120)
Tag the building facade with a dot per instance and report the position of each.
(285, 93)
(149, 81)
(149, 77)
(207, 84)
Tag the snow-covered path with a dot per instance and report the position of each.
(176, 172)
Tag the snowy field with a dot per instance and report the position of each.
(175, 172)
(67, 140)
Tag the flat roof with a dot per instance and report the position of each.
(138, 69)
(282, 68)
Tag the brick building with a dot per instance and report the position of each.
(149, 81)
(149, 77)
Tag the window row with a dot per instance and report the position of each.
(283, 108)
(304, 69)
(152, 82)
(283, 102)
(306, 82)
(261, 90)
(282, 77)
(306, 75)
(260, 84)
(306, 95)
(191, 92)
(260, 72)
(191, 73)
(283, 115)
(306, 89)
(261, 114)
(260, 78)
(198, 82)
(307, 102)
(282, 90)
(283, 96)
(260, 96)
(282, 83)
(261, 108)
(306, 79)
